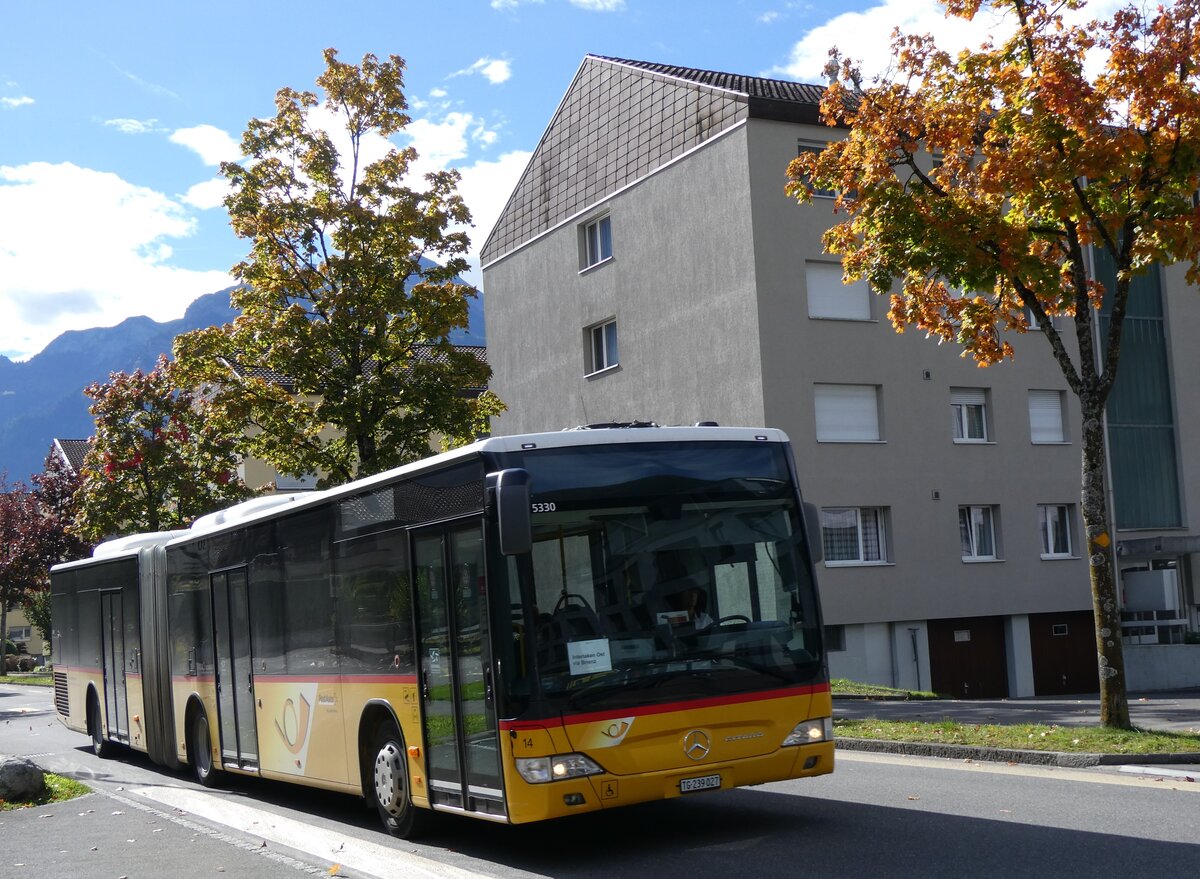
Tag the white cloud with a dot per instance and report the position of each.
(866, 36)
(207, 195)
(485, 187)
(82, 248)
(512, 4)
(768, 17)
(493, 70)
(213, 145)
(439, 145)
(13, 103)
(133, 126)
(600, 5)
(437, 93)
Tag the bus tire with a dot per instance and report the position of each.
(101, 746)
(388, 789)
(199, 749)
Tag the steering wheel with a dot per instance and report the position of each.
(736, 617)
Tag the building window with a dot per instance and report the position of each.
(854, 535)
(976, 529)
(968, 408)
(1054, 523)
(597, 242)
(801, 149)
(829, 298)
(19, 633)
(1046, 417)
(602, 346)
(835, 639)
(847, 413)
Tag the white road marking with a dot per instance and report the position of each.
(371, 858)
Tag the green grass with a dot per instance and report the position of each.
(58, 789)
(1024, 736)
(844, 687)
(27, 679)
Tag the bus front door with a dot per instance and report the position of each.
(235, 680)
(112, 645)
(454, 661)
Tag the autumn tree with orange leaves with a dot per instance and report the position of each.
(995, 172)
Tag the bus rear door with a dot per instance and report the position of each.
(112, 647)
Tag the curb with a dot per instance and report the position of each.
(1065, 759)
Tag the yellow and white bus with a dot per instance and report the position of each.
(523, 628)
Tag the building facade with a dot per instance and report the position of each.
(649, 266)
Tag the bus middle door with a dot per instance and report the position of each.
(454, 669)
(235, 680)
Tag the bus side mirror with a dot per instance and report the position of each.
(812, 527)
(513, 511)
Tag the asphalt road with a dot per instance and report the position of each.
(876, 816)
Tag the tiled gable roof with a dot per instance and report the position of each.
(751, 86)
(72, 452)
(619, 121)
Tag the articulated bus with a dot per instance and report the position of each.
(520, 629)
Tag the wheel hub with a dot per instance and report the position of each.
(389, 780)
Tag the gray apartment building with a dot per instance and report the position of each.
(649, 266)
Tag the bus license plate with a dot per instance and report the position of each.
(704, 782)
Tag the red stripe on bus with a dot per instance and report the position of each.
(668, 707)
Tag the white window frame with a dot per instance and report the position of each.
(874, 526)
(846, 413)
(962, 401)
(831, 299)
(1062, 515)
(20, 633)
(596, 242)
(1047, 424)
(599, 356)
(976, 532)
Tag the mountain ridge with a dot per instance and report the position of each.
(42, 398)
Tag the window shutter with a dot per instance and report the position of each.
(1045, 417)
(968, 397)
(847, 413)
(828, 297)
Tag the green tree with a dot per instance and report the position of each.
(156, 461)
(993, 172)
(22, 564)
(340, 363)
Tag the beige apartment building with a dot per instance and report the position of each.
(649, 266)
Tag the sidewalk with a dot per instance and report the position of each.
(1177, 711)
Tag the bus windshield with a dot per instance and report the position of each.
(664, 571)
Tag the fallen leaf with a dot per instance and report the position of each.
(914, 797)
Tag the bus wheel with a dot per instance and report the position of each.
(200, 750)
(389, 787)
(101, 746)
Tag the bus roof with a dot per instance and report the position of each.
(593, 435)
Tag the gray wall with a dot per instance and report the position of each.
(680, 284)
(917, 455)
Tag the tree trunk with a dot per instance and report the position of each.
(1114, 704)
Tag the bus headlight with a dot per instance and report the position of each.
(539, 770)
(810, 732)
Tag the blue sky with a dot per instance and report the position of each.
(114, 117)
